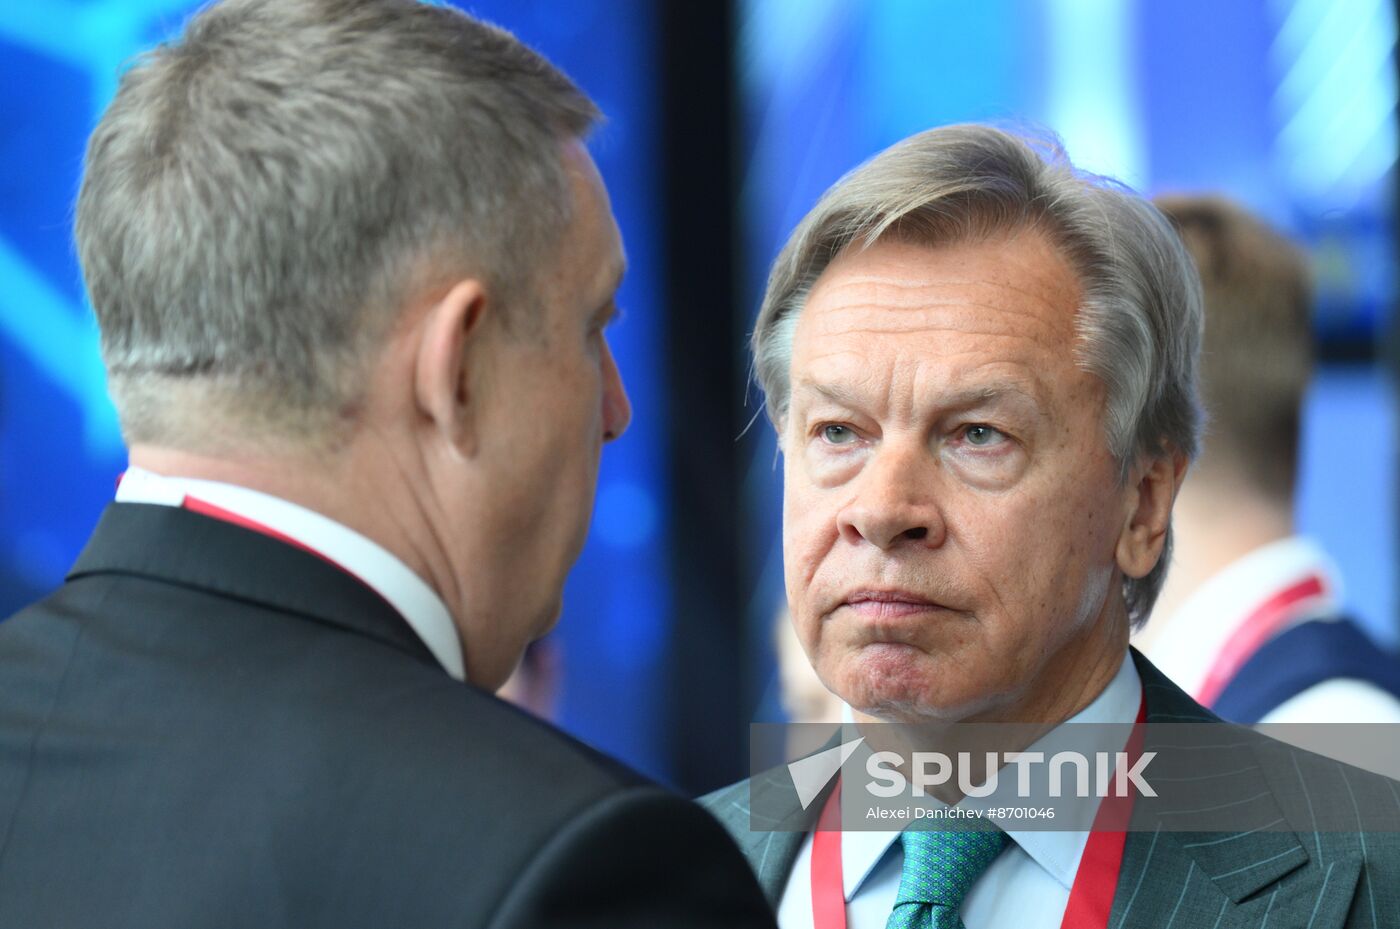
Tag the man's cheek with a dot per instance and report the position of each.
(805, 554)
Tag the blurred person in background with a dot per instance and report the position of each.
(802, 695)
(352, 267)
(1249, 622)
(805, 699)
(981, 366)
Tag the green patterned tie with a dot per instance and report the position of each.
(939, 869)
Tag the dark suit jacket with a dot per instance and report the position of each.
(207, 727)
(1177, 880)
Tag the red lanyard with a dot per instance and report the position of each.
(205, 508)
(1259, 627)
(1090, 898)
(828, 889)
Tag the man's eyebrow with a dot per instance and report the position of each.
(992, 394)
(609, 312)
(838, 394)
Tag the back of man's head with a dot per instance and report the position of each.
(265, 192)
(1257, 352)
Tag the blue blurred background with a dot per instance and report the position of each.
(725, 124)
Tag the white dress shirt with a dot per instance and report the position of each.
(1193, 636)
(368, 561)
(1027, 886)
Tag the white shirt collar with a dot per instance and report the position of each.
(1195, 634)
(368, 561)
(1057, 852)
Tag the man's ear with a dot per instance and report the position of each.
(444, 364)
(1154, 484)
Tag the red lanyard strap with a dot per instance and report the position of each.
(1091, 896)
(828, 889)
(1259, 627)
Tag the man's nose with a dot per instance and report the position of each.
(894, 503)
(617, 409)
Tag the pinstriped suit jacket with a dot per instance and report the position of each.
(1268, 877)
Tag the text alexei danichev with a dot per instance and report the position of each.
(999, 813)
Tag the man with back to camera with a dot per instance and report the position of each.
(1250, 621)
(352, 267)
(981, 367)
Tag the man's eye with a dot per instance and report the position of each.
(982, 436)
(838, 435)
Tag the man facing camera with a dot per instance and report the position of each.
(981, 366)
(352, 267)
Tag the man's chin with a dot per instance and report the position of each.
(880, 701)
(888, 674)
(903, 684)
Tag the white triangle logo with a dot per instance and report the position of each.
(811, 774)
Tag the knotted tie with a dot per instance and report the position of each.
(939, 869)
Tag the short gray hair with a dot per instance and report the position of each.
(1140, 323)
(264, 191)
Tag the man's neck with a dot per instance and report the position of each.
(332, 485)
(290, 477)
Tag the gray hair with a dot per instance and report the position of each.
(1139, 327)
(263, 193)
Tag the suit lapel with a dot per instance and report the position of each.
(1248, 877)
(770, 852)
(173, 545)
(1163, 885)
(773, 859)
(767, 821)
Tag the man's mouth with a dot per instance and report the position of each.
(889, 604)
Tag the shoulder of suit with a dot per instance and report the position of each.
(729, 804)
(420, 718)
(725, 794)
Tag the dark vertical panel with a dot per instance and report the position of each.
(1390, 355)
(705, 372)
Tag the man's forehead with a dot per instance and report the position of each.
(1002, 284)
(947, 316)
(597, 234)
(971, 325)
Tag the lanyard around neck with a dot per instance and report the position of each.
(1305, 595)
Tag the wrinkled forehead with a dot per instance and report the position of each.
(1008, 294)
